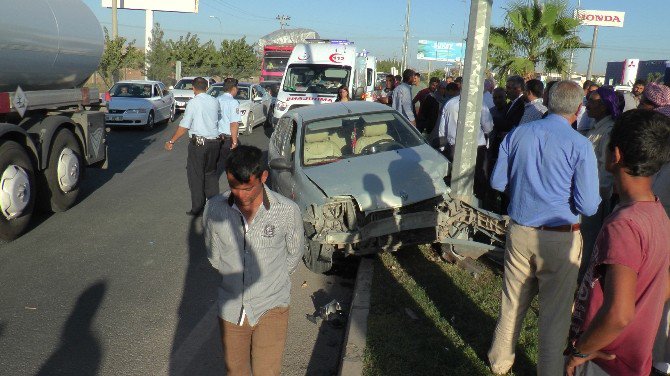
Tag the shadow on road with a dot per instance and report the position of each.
(79, 352)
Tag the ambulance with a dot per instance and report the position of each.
(317, 69)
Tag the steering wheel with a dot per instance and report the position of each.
(381, 145)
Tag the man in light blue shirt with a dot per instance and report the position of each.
(402, 97)
(229, 121)
(550, 174)
(200, 121)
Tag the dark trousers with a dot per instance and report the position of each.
(203, 180)
(223, 155)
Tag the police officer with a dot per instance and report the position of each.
(229, 120)
(200, 121)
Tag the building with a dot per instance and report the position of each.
(627, 71)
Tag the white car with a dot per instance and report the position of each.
(183, 90)
(139, 103)
(255, 104)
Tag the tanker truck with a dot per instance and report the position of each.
(50, 125)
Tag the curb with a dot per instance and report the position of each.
(351, 363)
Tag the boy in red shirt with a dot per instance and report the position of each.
(620, 301)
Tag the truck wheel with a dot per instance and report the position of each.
(151, 122)
(250, 123)
(17, 190)
(63, 173)
(318, 257)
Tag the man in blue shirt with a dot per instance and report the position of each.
(549, 172)
(200, 121)
(229, 121)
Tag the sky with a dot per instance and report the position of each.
(378, 26)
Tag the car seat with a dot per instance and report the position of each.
(318, 148)
(372, 133)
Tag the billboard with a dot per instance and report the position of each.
(600, 17)
(183, 6)
(440, 51)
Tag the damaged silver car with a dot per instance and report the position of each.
(365, 181)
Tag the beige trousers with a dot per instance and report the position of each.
(543, 263)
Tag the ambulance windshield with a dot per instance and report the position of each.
(315, 78)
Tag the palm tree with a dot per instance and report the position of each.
(534, 34)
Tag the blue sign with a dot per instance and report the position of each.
(440, 51)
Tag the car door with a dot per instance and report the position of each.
(286, 178)
(279, 138)
(168, 99)
(266, 100)
(257, 105)
(157, 103)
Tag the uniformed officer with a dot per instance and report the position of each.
(200, 121)
(229, 119)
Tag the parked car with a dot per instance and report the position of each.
(183, 90)
(139, 103)
(363, 177)
(255, 104)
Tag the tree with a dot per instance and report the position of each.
(159, 57)
(238, 59)
(655, 77)
(117, 54)
(386, 65)
(534, 34)
(196, 58)
(439, 73)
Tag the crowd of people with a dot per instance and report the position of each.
(583, 173)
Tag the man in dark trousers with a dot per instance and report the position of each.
(200, 121)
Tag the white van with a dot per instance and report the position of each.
(316, 70)
(366, 73)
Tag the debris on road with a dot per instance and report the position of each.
(411, 314)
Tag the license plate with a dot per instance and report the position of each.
(114, 118)
(180, 103)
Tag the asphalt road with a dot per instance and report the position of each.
(120, 284)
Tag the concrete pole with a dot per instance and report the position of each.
(115, 22)
(469, 113)
(148, 28)
(593, 52)
(406, 40)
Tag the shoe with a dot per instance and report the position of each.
(194, 213)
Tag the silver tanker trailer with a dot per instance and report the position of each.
(50, 126)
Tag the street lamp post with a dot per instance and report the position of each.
(220, 24)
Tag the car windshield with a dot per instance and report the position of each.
(184, 85)
(131, 90)
(242, 93)
(274, 64)
(314, 78)
(330, 140)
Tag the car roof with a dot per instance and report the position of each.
(309, 113)
(238, 84)
(194, 77)
(138, 82)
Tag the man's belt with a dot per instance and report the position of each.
(561, 228)
(199, 140)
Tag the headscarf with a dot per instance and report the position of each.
(610, 100)
(659, 96)
(441, 99)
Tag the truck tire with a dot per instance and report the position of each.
(17, 181)
(63, 173)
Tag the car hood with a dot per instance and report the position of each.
(121, 103)
(384, 180)
(183, 93)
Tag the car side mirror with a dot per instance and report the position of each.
(171, 87)
(280, 164)
(258, 99)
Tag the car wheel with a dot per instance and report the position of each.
(17, 190)
(317, 257)
(151, 122)
(250, 123)
(173, 114)
(61, 178)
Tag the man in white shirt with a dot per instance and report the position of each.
(533, 109)
(489, 85)
(447, 128)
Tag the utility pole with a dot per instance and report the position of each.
(283, 20)
(406, 40)
(572, 51)
(593, 52)
(115, 22)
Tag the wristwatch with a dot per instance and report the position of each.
(170, 142)
(574, 352)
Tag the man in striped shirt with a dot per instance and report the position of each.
(255, 239)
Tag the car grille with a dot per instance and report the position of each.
(182, 99)
(116, 111)
(425, 205)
